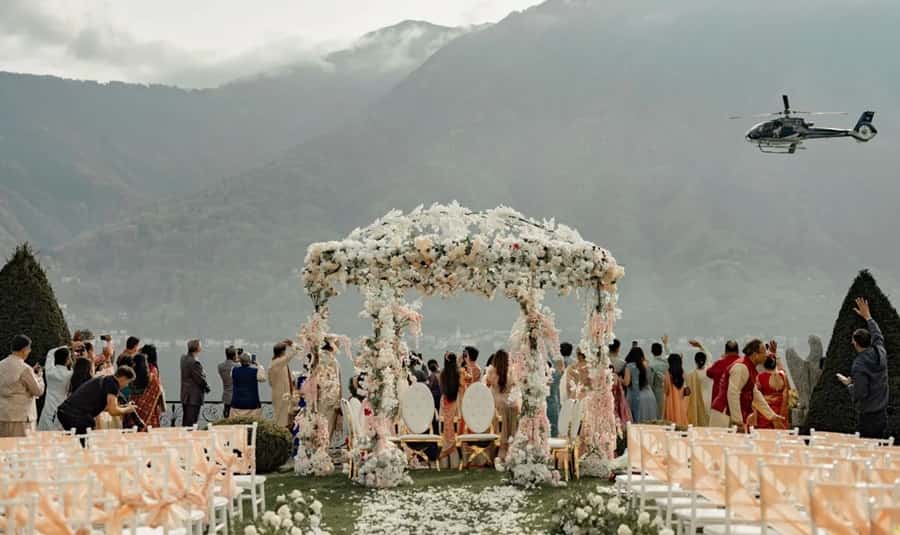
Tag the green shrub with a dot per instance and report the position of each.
(830, 406)
(273, 443)
(28, 306)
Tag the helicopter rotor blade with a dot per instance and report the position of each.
(787, 107)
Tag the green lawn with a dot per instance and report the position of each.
(464, 499)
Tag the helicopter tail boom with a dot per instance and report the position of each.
(864, 129)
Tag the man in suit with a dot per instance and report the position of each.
(193, 384)
(231, 357)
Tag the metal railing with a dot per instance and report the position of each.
(212, 411)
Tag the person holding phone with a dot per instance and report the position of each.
(98, 394)
(868, 381)
(20, 386)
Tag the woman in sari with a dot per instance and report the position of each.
(146, 391)
(450, 396)
(774, 386)
(676, 409)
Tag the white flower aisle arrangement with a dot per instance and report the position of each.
(294, 514)
(605, 511)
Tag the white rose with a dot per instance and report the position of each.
(298, 517)
(296, 531)
(643, 519)
(250, 530)
(295, 494)
(623, 530)
(666, 531)
(580, 514)
(316, 507)
(284, 511)
(281, 499)
(287, 523)
(314, 522)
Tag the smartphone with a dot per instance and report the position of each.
(253, 357)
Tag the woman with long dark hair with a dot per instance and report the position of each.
(640, 394)
(676, 391)
(500, 383)
(145, 391)
(82, 371)
(449, 403)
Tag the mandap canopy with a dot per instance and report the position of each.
(447, 249)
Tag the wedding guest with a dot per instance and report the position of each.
(103, 364)
(282, 383)
(126, 358)
(658, 367)
(718, 372)
(146, 391)
(470, 362)
(325, 384)
(89, 352)
(57, 383)
(450, 387)
(631, 383)
(246, 378)
(20, 386)
(557, 368)
(152, 363)
(99, 394)
(193, 384)
(734, 404)
(500, 384)
(868, 381)
(577, 376)
(434, 382)
(701, 387)
(617, 362)
(676, 392)
(82, 371)
(774, 386)
(231, 361)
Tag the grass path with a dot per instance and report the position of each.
(472, 501)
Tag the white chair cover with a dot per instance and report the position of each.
(478, 408)
(417, 408)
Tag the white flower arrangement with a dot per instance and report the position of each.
(384, 468)
(294, 514)
(447, 249)
(605, 510)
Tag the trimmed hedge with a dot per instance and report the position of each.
(273, 443)
(830, 407)
(28, 306)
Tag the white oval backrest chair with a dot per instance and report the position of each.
(478, 407)
(577, 417)
(565, 418)
(358, 419)
(417, 408)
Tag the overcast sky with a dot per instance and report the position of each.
(203, 42)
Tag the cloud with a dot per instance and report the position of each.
(33, 39)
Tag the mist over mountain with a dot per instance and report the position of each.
(609, 116)
(78, 154)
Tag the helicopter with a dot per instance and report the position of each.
(787, 133)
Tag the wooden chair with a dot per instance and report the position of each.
(562, 445)
(417, 412)
(478, 412)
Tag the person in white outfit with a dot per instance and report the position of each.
(57, 384)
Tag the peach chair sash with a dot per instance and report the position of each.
(784, 495)
(838, 508)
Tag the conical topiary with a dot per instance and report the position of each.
(28, 306)
(831, 408)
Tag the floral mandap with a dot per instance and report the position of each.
(448, 249)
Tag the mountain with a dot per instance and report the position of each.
(77, 154)
(610, 116)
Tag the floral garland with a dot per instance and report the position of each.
(312, 452)
(534, 335)
(600, 427)
(312, 428)
(446, 249)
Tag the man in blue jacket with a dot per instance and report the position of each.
(868, 383)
